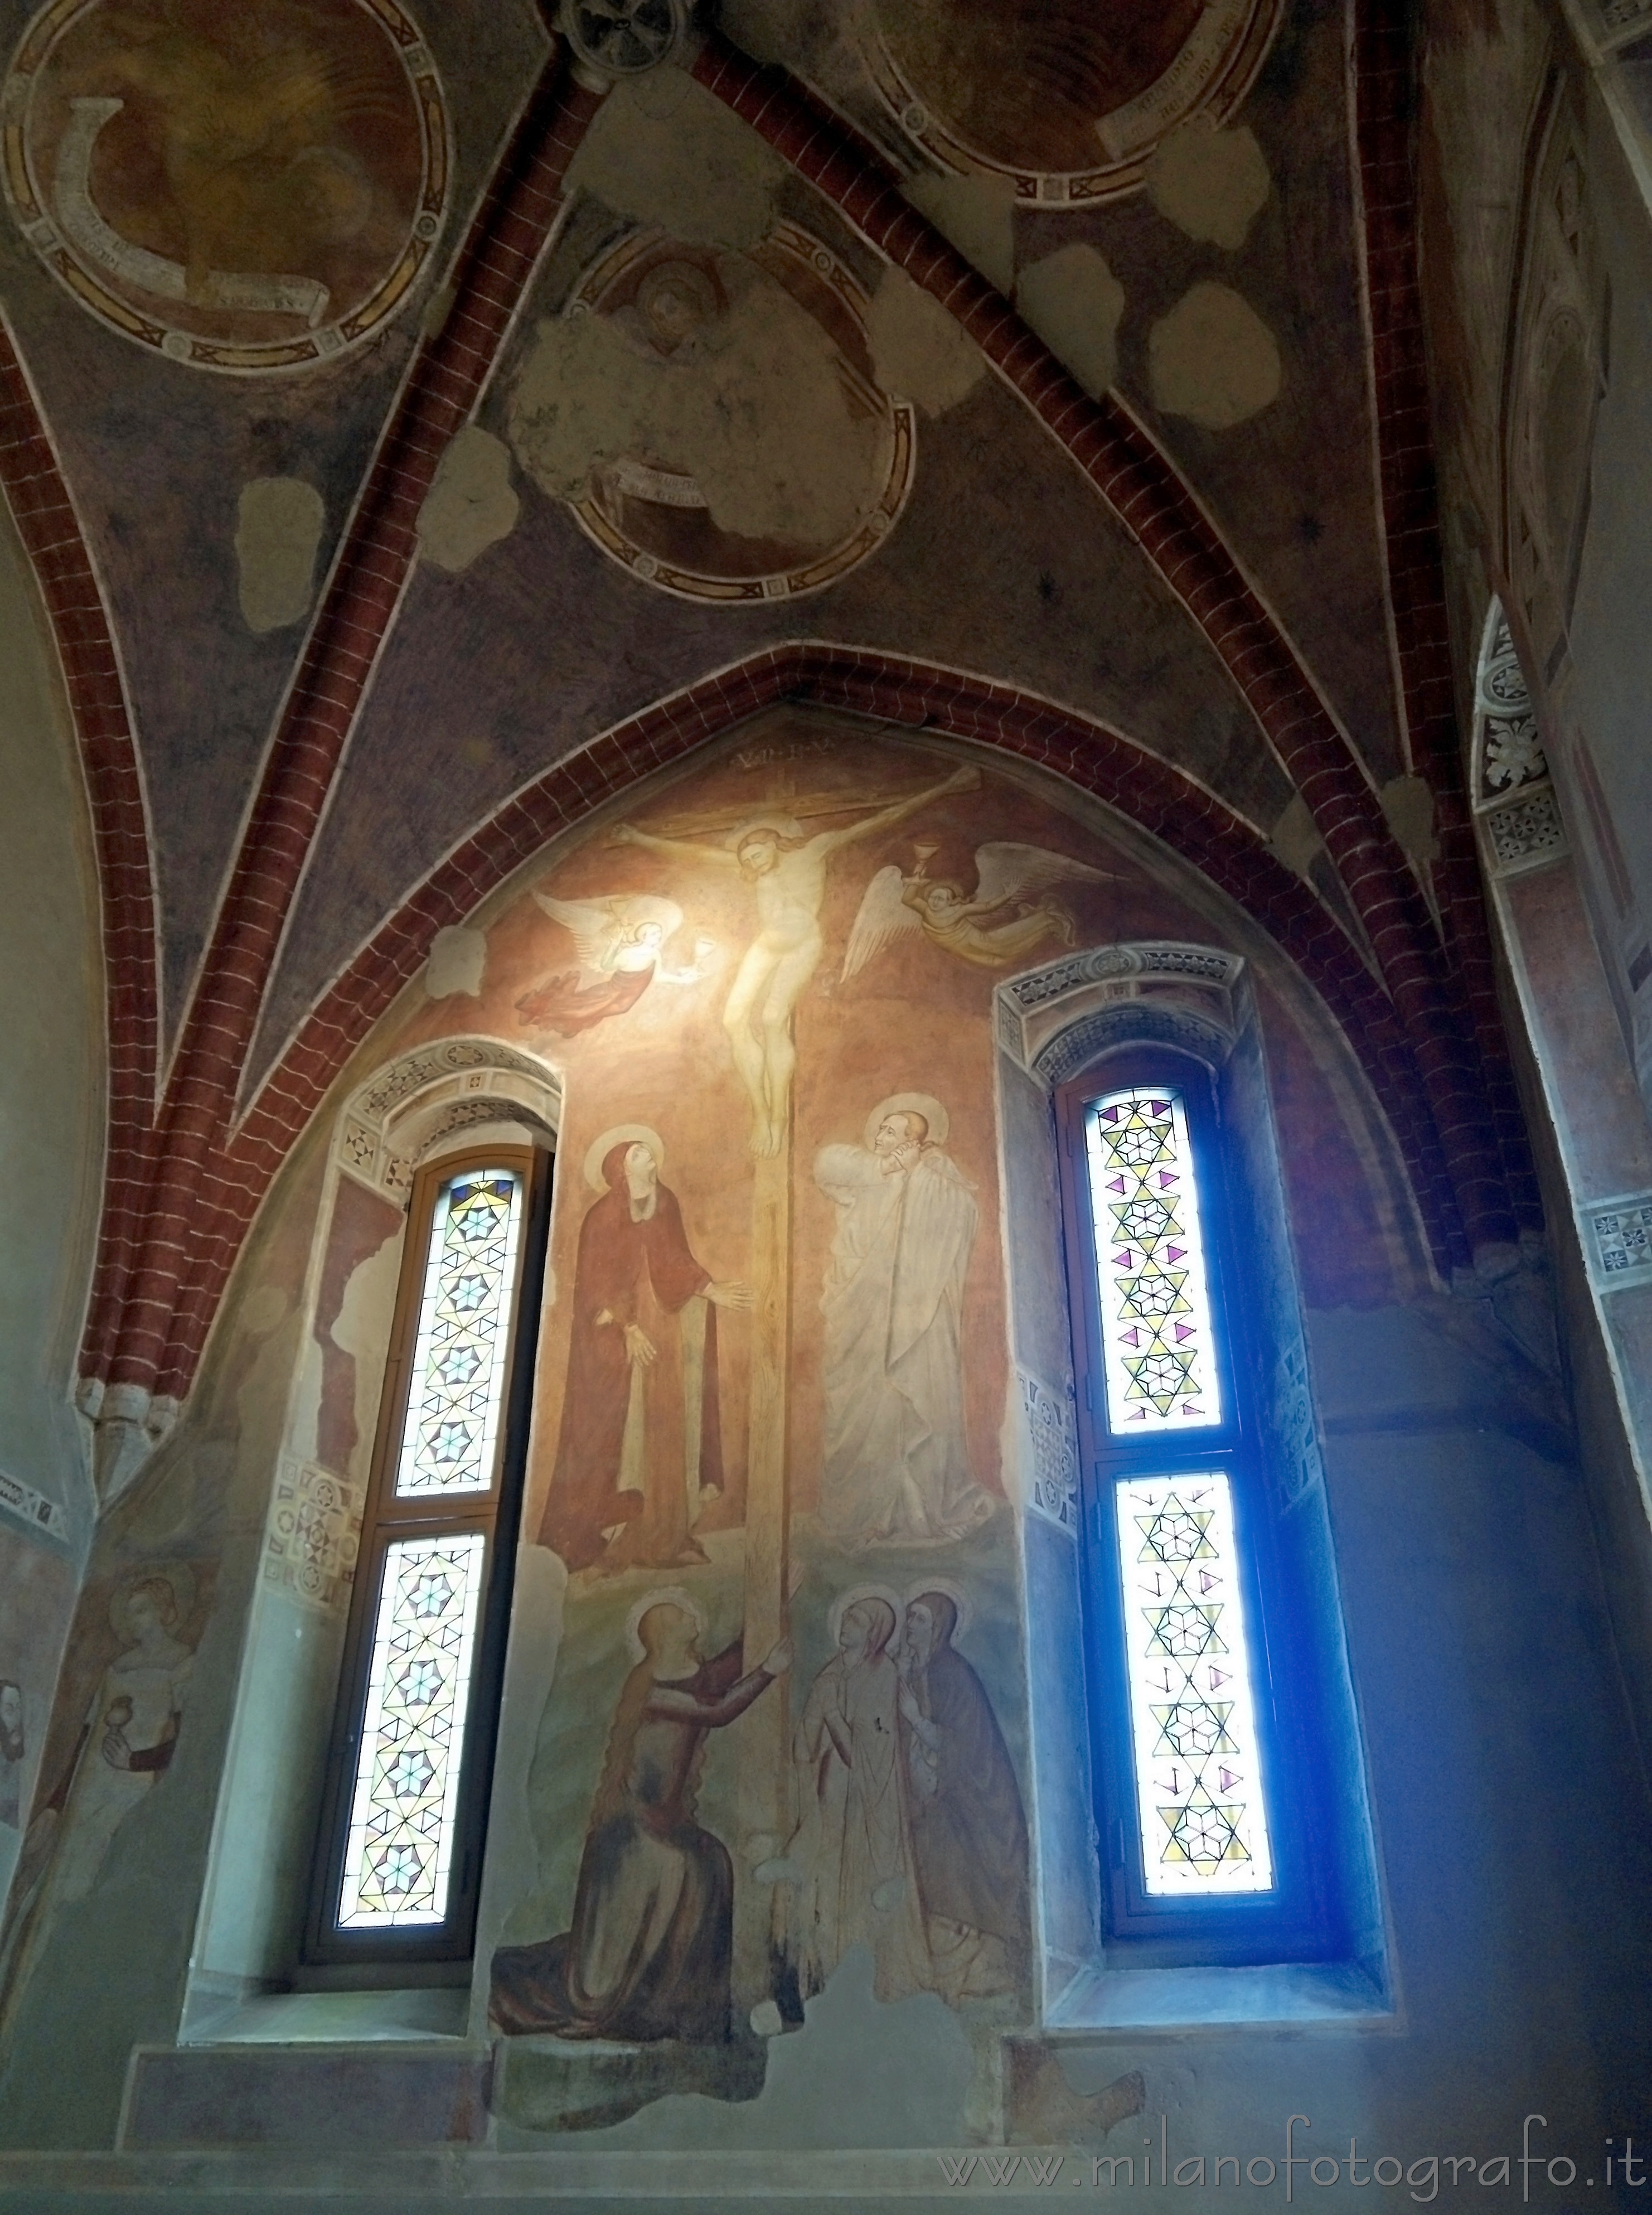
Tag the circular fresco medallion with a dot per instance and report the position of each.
(1067, 98)
(724, 494)
(243, 185)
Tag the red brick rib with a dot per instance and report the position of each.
(1148, 791)
(1383, 106)
(51, 533)
(1142, 487)
(356, 609)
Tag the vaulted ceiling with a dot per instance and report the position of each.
(422, 430)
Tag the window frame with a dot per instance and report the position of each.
(1296, 1920)
(387, 1518)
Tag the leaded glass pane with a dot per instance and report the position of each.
(1158, 1346)
(406, 1790)
(458, 1370)
(1204, 1826)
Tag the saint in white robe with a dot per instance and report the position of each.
(896, 1468)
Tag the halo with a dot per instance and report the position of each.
(782, 827)
(684, 277)
(179, 1579)
(846, 1600)
(954, 1592)
(671, 1596)
(638, 1133)
(920, 1103)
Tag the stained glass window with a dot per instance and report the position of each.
(459, 1360)
(1158, 1354)
(1204, 1825)
(402, 1816)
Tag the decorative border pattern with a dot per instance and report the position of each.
(1617, 1235)
(1513, 795)
(32, 1508)
(1052, 1444)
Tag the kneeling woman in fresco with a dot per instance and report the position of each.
(648, 1955)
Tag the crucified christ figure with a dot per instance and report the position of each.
(788, 877)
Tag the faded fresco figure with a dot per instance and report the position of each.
(787, 872)
(648, 1953)
(127, 1741)
(850, 1863)
(620, 940)
(12, 1753)
(896, 1466)
(969, 1830)
(641, 1443)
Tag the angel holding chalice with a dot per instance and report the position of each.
(1012, 911)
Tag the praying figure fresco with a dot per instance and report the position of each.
(641, 1441)
(647, 1954)
(968, 1829)
(849, 1863)
(897, 1467)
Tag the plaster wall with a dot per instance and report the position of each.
(51, 1121)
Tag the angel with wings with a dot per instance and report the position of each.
(620, 939)
(1011, 912)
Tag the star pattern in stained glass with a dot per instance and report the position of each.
(1158, 1355)
(1192, 1712)
(1203, 1834)
(405, 1803)
(453, 1418)
(409, 1775)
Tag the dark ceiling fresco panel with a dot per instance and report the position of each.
(1004, 560)
(157, 452)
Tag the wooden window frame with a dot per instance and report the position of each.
(497, 1514)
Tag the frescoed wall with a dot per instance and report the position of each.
(777, 1433)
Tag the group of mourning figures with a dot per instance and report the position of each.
(910, 1839)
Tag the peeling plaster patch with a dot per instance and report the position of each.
(1210, 183)
(277, 529)
(1074, 302)
(457, 959)
(471, 504)
(757, 414)
(977, 215)
(1213, 359)
(1407, 803)
(663, 150)
(920, 353)
(362, 1329)
(1296, 837)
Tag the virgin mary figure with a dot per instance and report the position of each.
(641, 1441)
(648, 1953)
(851, 1855)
